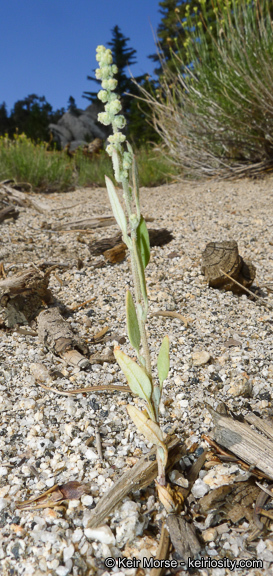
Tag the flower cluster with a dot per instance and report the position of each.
(105, 73)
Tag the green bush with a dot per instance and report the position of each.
(216, 116)
(25, 161)
(53, 170)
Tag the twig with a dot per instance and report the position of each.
(98, 442)
(169, 314)
(77, 306)
(102, 388)
(248, 291)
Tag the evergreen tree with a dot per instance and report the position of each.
(4, 120)
(31, 116)
(169, 32)
(123, 57)
(72, 106)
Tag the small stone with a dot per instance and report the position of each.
(3, 503)
(200, 358)
(209, 535)
(178, 478)
(68, 552)
(77, 535)
(90, 454)
(103, 534)
(62, 570)
(87, 500)
(241, 387)
(199, 488)
(3, 471)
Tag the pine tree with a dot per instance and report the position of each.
(123, 57)
(169, 32)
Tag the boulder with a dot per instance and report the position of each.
(79, 127)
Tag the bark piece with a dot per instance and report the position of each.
(183, 537)
(219, 257)
(137, 478)
(251, 447)
(8, 212)
(56, 334)
(158, 237)
(116, 254)
(24, 295)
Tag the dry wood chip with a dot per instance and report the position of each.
(244, 442)
(183, 537)
(137, 478)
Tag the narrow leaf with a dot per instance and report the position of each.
(143, 242)
(149, 429)
(163, 360)
(137, 378)
(132, 322)
(116, 206)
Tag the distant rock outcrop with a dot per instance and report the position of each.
(79, 127)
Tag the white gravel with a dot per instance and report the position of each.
(46, 438)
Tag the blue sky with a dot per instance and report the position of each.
(47, 47)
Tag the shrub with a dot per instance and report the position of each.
(216, 116)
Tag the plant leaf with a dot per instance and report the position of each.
(149, 429)
(116, 206)
(163, 360)
(143, 242)
(132, 322)
(137, 378)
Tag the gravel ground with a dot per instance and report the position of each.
(46, 438)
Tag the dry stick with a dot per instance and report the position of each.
(162, 552)
(171, 315)
(103, 388)
(77, 306)
(246, 289)
(98, 442)
(138, 477)
(164, 542)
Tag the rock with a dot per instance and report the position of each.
(241, 387)
(79, 128)
(200, 358)
(3, 503)
(209, 535)
(177, 478)
(199, 488)
(103, 534)
(68, 552)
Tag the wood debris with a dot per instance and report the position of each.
(114, 250)
(221, 263)
(56, 335)
(240, 439)
(24, 295)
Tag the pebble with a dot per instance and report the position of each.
(200, 358)
(232, 337)
(3, 503)
(103, 534)
(199, 488)
(68, 552)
